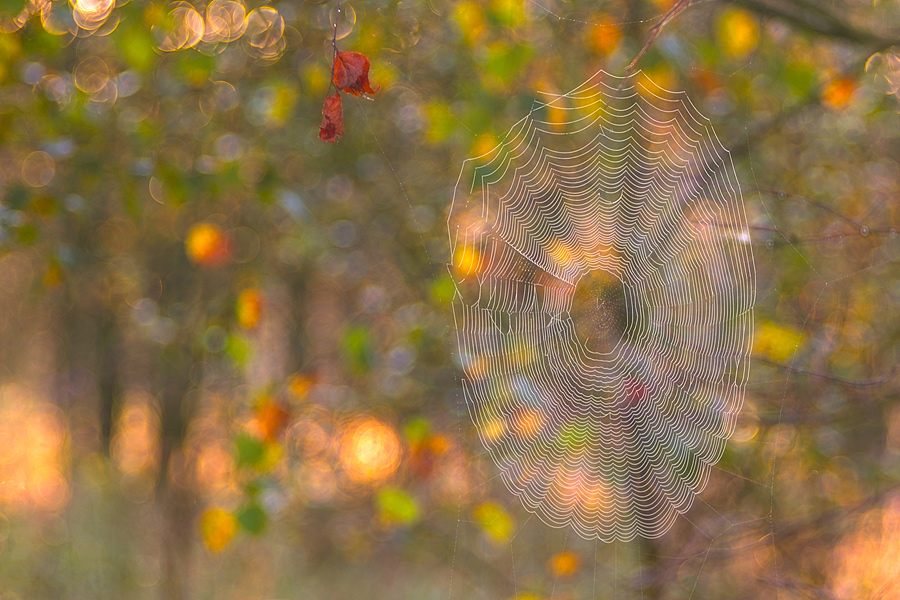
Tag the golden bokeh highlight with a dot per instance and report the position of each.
(493, 430)
(90, 15)
(33, 455)
(135, 444)
(91, 75)
(225, 21)
(370, 451)
(214, 467)
(264, 38)
(866, 563)
(182, 28)
(467, 260)
(15, 19)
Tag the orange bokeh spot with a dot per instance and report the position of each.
(605, 37)
(249, 308)
(467, 260)
(564, 564)
(838, 93)
(300, 384)
(370, 451)
(271, 418)
(207, 245)
(528, 423)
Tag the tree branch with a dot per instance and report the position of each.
(860, 383)
(655, 31)
(815, 19)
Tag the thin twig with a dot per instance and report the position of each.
(655, 31)
(861, 383)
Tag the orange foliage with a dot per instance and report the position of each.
(208, 246)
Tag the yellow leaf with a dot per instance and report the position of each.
(777, 342)
(495, 522)
(738, 33)
(218, 526)
(470, 18)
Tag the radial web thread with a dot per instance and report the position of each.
(604, 305)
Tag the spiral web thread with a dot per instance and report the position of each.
(604, 305)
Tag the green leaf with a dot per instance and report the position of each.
(397, 506)
(418, 430)
(443, 288)
(137, 48)
(506, 62)
(238, 350)
(357, 349)
(27, 234)
(800, 78)
(252, 518)
(250, 451)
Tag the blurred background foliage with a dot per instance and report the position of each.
(226, 368)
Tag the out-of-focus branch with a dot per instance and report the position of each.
(815, 19)
(873, 382)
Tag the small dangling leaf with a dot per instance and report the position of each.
(351, 73)
(332, 127)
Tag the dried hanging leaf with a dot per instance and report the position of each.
(351, 73)
(332, 127)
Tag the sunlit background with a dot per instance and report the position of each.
(227, 367)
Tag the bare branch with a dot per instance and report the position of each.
(859, 383)
(815, 19)
(655, 31)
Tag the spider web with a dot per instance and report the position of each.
(761, 527)
(604, 305)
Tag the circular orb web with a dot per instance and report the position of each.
(604, 305)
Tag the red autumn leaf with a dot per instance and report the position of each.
(332, 126)
(351, 73)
